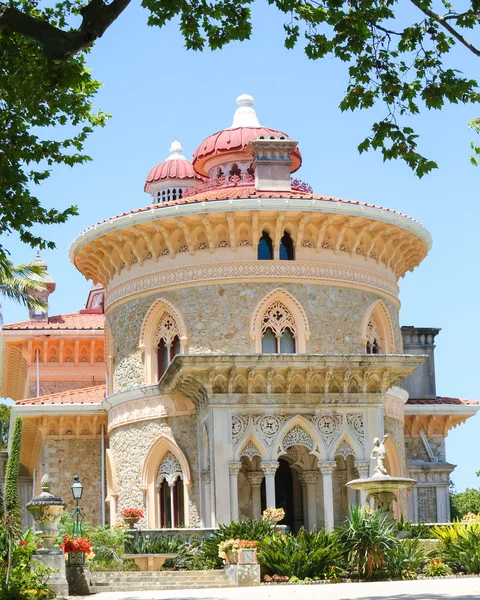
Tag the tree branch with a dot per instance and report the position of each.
(443, 22)
(58, 44)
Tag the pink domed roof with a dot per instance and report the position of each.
(236, 140)
(176, 166)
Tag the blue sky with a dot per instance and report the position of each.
(158, 92)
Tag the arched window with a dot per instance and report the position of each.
(235, 170)
(170, 489)
(265, 247)
(167, 342)
(372, 345)
(286, 247)
(278, 330)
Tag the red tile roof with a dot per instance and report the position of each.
(75, 321)
(89, 395)
(441, 400)
(246, 192)
(172, 169)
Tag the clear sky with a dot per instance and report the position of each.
(158, 92)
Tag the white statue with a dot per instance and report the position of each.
(379, 454)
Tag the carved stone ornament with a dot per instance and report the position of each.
(357, 428)
(234, 468)
(269, 468)
(363, 468)
(239, 426)
(329, 427)
(255, 477)
(250, 451)
(278, 318)
(166, 330)
(345, 450)
(170, 469)
(310, 477)
(328, 467)
(206, 477)
(268, 426)
(297, 436)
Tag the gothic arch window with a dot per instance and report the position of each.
(167, 342)
(377, 330)
(279, 324)
(162, 336)
(278, 330)
(170, 488)
(286, 247)
(265, 247)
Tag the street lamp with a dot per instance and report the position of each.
(77, 493)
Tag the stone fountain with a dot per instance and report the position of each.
(381, 487)
(46, 510)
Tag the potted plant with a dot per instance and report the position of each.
(77, 550)
(241, 552)
(131, 516)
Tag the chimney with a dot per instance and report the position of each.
(272, 162)
(39, 314)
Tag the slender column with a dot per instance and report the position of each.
(233, 469)
(310, 479)
(270, 468)
(207, 498)
(326, 469)
(342, 480)
(306, 524)
(255, 478)
(363, 468)
(172, 504)
(351, 494)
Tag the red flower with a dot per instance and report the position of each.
(75, 544)
(131, 513)
(22, 543)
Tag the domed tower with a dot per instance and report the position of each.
(253, 337)
(169, 179)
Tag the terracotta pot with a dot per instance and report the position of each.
(131, 521)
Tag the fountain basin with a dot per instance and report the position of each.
(382, 490)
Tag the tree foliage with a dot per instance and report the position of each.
(4, 425)
(396, 53)
(462, 503)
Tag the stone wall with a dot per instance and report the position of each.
(130, 445)
(217, 319)
(395, 429)
(62, 459)
(55, 386)
(415, 449)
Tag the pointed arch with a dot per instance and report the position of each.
(302, 333)
(304, 424)
(152, 462)
(377, 322)
(148, 343)
(347, 446)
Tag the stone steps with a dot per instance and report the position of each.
(157, 580)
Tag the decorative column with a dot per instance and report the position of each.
(306, 524)
(363, 468)
(270, 468)
(326, 469)
(310, 479)
(233, 469)
(342, 480)
(255, 478)
(172, 503)
(207, 498)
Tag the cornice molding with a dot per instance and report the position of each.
(248, 271)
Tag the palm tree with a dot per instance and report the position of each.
(19, 283)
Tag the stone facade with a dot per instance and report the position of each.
(213, 327)
(62, 459)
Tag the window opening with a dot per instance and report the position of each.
(286, 247)
(265, 247)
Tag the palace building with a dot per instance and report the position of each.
(240, 348)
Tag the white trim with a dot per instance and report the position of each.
(441, 409)
(26, 410)
(217, 206)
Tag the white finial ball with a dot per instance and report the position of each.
(176, 148)
(245, 100)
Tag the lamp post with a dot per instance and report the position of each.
(77, 493)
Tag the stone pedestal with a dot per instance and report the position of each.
(78, 577)
(55, 560)
(243, 575)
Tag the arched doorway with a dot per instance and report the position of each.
(284, 496)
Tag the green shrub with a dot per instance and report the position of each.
(108, 545)
(185, 548)
(250, 529)
(366, 538)
(461, 547)
(405, 560)
(437, 568)
(418, 530)
(307, 555)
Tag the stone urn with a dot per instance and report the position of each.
(131, 521)
(46, 510)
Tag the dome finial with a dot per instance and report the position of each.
(245, 115)
(176, 151)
